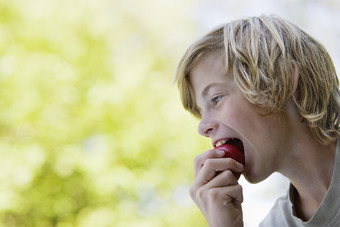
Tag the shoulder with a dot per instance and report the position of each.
(279, 213)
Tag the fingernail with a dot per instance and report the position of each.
(220, 152)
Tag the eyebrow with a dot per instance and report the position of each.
(207, 88)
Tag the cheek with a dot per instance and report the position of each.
(242, 115)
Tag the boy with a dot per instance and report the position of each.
(263, 85)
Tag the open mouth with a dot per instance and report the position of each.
(232, 141)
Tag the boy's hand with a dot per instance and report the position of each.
(216, 190)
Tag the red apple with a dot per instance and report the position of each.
(232, 151)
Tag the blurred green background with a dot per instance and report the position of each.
(92, 129)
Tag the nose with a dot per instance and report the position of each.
(207, 126)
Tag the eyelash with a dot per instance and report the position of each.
(216, 99)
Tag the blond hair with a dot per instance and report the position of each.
(262, 52)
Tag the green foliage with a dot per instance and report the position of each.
(92, 129)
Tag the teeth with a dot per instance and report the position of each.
(220, 142)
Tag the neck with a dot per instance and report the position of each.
(310, 171)
(308, 165)
(311, 189)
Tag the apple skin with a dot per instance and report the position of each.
(233, 152)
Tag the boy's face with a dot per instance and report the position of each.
(226, 113)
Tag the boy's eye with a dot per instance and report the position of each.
(216, 99)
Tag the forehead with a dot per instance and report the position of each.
(212, 60)
(210, 69)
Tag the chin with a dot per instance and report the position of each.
(253, 179)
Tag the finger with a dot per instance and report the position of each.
(225, 196)
(236, 195)
(230, 196)
(200, 159)
(223, 179)
(212, 166)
